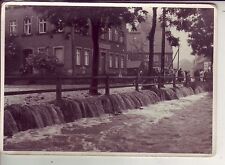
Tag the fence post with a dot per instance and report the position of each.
(107, 85)
(58, 89)
(159, 82)
(186, 80)
(136, 83)
(174, 80)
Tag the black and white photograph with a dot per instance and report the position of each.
(109, 78)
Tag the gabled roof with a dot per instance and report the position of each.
(141, 34)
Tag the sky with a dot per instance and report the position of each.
(185, 49)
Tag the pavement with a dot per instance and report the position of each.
(37, 98)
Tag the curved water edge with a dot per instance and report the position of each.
(18, 117)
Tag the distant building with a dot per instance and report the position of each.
(133, 67)
(34, 33)
(201, 63)
(138, 46)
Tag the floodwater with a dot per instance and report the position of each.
(176, 126)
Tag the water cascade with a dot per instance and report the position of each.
(10, 126)
(18, 117)
(170, 94)
(198, 89)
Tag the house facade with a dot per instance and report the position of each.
(34, 34)
(138, 45)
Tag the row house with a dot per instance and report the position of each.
(34, 34)
(138, 46)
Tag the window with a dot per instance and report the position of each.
(116, 36)
(43, 50)
(110, 61)
(110, 34)
(59, 53)
(27, 26)
(78, 56)
(102, 36)
(42, 25)
(122, 62)
(102, 63)
(86, 57)
(12, 27)
(156, 58)
(166, 58)
(116, 61)
(121, 37)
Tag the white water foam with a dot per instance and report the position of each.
(154, 112)
(166, 108)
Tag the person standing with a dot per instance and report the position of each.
(180, 75)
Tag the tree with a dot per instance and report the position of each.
(99, 19)
(163, 44)
(11, 56)
(43, 62)
(174, 41)
(198, 23)
(151, 42)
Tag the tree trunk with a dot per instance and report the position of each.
(163, 46)
(73, 48)
(95, 25)
(151, 42)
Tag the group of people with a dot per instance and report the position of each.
(182, 76)
(203, 75)
(199, 75)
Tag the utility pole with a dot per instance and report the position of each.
(178, 58)
(163, 46)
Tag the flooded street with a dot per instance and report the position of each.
(176, 126)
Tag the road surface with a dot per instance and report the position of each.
(177, 126)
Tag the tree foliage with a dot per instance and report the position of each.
(79, 16)
(42, 61)
(11, 56)
(198, 23)
(98, 19)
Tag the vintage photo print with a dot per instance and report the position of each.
(107, 78)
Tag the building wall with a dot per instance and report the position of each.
(50, 41)
(106, 46)
(156, 59)
(138, 44)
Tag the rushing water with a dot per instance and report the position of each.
(18, 117)
(149, 129)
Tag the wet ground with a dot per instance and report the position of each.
(177, 126)
(46, 97)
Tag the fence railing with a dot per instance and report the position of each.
(106, 82)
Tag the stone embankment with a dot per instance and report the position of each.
(19, 117)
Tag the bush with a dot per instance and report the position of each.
(42, 62)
